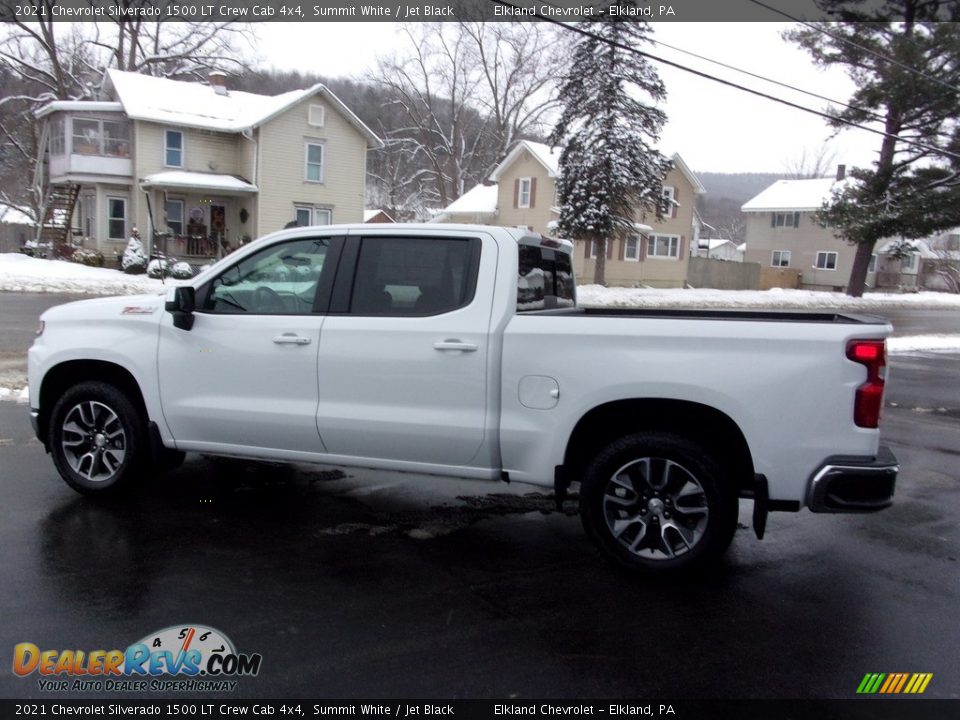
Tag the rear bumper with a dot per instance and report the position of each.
(854, 484)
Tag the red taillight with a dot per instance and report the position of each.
(869, 399)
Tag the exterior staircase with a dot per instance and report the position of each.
(56, 217)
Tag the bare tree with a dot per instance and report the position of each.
(810, 162)
(460, 95)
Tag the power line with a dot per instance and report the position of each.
(729, 83)
(848, 41)
(764, 78)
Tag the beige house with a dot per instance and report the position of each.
(522, 192)
(782, 232)
(196, 167)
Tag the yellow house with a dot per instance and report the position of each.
(522, 192)
(198, 168)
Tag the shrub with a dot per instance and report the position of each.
(158, 269)
(134, 260)
(181, 271)
(93, 258)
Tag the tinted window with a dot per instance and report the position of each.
(413, 276)
(545, 279)
(279, 280)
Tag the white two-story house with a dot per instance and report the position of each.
(196, 167)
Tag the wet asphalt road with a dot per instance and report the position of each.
(385, 585)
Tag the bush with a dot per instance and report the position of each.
(134, 260)
(181, 271)
(158, 269)
(93, 258)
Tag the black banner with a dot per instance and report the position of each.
(872, 709)
(419, 10)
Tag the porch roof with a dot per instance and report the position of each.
(186, 180)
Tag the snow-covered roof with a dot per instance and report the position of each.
(198, 181)
(714, 243)
(369, 214)
(544, 154)
(78, 105)
(13, 216)
(198, 105)
(922, 247)
(793, 195)
(480, 199)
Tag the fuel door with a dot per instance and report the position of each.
(539, 392)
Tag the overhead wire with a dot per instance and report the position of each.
(840, 38)
(796, 106)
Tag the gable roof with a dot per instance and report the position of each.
(544, 154)
(549, 157)
(197, 105)
(805, 195)
(479, 200)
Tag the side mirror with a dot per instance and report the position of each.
(182, 306)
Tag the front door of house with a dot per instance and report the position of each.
(218, 227)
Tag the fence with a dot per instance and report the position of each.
(723, 274)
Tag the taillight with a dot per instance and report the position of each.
(869, 399)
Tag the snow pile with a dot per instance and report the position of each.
(777, 298)
(20, 395)
(19, 273)
(918, 343)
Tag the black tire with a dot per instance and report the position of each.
(658, 503)
(98, 439)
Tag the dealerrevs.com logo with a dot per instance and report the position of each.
(177, 658)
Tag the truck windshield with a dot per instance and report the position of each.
(545, 280)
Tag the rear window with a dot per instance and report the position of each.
(545, 279)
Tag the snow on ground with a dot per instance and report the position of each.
(20, 273)
(921, 343)
(777, 298)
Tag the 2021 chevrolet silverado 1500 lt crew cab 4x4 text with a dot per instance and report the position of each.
(459, 350)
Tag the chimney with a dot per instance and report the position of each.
(841, 172)
(218, 81)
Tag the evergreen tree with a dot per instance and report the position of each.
(610, 174)
(905, 63)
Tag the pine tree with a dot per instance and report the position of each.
(610, 174)
(905, 63)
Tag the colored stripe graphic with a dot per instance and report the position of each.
(894, 683)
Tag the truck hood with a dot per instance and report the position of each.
(134, 306)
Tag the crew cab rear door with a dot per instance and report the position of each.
(403, 363)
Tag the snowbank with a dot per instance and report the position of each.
(777, 298)
(20, 273)
(918, 343)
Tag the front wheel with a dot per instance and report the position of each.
(658, 503)
(97, 439)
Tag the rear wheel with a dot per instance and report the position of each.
(97, 439)
(658, 503)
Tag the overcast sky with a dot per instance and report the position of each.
(714, 128)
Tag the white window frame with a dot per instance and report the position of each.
(521, 203)
(872, 266)
(825, 254)
(654, 243)
(313, 113)
(167, 149)
(111, 218)
(315, 212)
(783, 254)
(593, 249)
(637, 239)
(183, 214)
(908, 261)
(307, 144)
(669, 196)
(790, 219)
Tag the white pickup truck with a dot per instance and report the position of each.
(459, 350)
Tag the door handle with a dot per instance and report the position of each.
(453, 344)
(291, 339)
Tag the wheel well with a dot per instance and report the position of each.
(61, 377)
(706, 426)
